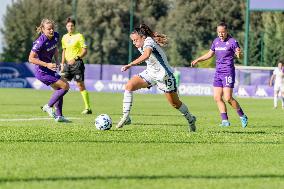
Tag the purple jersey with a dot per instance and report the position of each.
(225, 52)
(45, 49)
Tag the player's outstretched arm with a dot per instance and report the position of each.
(206, 56)
(146, 54)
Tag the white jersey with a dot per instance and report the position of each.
(158, 70)
(157, 63)
(279, 76)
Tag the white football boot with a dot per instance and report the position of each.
(48, 110)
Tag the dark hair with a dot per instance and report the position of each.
(144, 31)
(71, 20)
(223, 24)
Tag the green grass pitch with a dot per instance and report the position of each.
(155, 152)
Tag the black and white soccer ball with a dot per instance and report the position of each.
(103, 122)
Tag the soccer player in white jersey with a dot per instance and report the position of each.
(278, 78)
(158, 72)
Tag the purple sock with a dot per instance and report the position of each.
(58, 106)
(224, 116)
(56, 96)
(240, 112)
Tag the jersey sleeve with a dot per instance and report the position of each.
(63, 42)
(212, 48)
(37, 45)
(149, 43)
(235, 45)
(82, 41)
(274, 71)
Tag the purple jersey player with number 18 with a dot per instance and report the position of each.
(225, 47)
(43, 50)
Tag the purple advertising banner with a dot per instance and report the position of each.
(197, 75)
(196, 89)
(14, 75)
(194, 81)
(253, 77)
(93, 71)
(266, 5)
(113, 73)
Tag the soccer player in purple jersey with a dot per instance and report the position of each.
(43, 50)
(225, 48)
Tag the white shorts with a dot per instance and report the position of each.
(167, 83)
(279, 87)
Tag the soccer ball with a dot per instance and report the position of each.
(103, 122)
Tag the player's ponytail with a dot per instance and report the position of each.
(161, 39)
(145, 31)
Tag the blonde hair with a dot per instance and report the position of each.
(43, 22)
(145, 31)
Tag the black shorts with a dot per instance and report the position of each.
(74, 71)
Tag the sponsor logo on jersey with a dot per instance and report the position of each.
(69, 41)
(50, 48)
(220, 48)
(35, 46)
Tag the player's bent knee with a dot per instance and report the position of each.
(217, 98)
(81, 88)
(129, 87)
(228, 99)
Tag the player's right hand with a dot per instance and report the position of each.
(124, 68)
(52, 66)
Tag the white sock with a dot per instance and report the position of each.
(184, 110)
(127, 102)
(275, 100)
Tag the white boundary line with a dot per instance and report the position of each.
(32, 119)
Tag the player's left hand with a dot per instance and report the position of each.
(194, 62)
(52, 66)
(238, 52)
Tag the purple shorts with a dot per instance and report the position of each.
(224, 80)
(47, 78)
